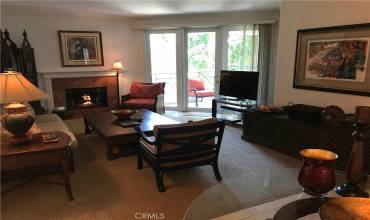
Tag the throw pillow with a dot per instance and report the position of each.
(145, 91)
(196, 84)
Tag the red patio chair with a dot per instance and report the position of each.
(196, 89)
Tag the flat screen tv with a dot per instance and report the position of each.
(239, 84)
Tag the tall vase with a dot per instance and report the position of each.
(317, 177)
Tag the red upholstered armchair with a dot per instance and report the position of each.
(145, 95)
(196, 89)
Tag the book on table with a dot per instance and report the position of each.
(129, 123)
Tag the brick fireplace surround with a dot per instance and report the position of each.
(56, 83)
(59, 86)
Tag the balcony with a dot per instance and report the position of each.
(170, 97)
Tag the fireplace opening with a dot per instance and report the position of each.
(78, 98)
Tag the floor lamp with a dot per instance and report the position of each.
(117, 65)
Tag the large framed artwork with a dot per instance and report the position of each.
(334, 59)
(81, 48)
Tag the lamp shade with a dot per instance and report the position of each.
(117, 65)
(15, 88)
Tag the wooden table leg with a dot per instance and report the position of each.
(67, 182)
(71, 160)
(110, 154)
(88, 127)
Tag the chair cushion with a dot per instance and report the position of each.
(152, 152)
(195, 84)
(140, 90)
(202, 93)
(139, 103)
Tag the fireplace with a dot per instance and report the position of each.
(57, 86)
(82, 98)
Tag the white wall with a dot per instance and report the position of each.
(301, 15)
(120, 42)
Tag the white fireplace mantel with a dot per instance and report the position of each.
(53, 75)
(45, 78)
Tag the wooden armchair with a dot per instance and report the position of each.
(145, 96)
(181, 146)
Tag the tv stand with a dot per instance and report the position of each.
(233, 104)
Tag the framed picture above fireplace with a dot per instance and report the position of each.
(81, 48)
(334, 59)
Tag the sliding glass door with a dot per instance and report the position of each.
(162, 66)
(201, 68)
(189, 61)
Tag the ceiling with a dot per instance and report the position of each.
(138, 8)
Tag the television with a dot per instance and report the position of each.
(239, 84)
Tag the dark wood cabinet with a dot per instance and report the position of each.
(281, 133)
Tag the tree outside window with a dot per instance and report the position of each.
(242, 48)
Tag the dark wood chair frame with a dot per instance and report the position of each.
(194, 145)
(154, 107)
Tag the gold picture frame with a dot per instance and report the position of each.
(81, 48)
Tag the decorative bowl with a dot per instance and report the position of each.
(123, 114)
(265, 108)
(268, 108)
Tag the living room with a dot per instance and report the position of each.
(174, 42)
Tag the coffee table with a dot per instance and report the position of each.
(259, 192)
(37, 154)
(106, 126)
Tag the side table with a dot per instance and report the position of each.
(37, 154)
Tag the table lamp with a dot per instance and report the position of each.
(117, 65)
(14, 89)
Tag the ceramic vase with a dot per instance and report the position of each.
(317, 177)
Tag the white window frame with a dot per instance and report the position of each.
(225, 34)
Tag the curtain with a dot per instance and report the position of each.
(264, 53)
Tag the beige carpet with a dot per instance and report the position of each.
(117, 190)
